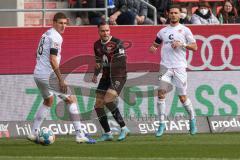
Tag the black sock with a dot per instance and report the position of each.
(112, 106)
(102, 117)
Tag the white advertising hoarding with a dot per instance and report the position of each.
(211, 92)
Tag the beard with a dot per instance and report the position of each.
(174, 21)
(105, 39)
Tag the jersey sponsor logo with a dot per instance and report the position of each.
(207, 53)
(110, 47)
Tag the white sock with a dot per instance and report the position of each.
(189, 108)
(75, 117)
(40, 116)
(161, 108)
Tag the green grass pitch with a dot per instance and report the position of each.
(145, 147)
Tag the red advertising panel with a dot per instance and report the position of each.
(218, 47)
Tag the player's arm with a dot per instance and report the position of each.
(153, 48)
(190, 42)
(55, 67)
(192, 45)
(118, 62)
(98, 67)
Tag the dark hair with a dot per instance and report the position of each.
(174, 6)
(204, 4)
(102, 23)
(59, 15)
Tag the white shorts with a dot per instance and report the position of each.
(177, 77)
(47, 91)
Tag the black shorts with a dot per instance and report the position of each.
(116, 84)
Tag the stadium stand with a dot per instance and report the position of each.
(35, 18)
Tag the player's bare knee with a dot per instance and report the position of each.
(183, 98)
(110, 96)
(99, 103)
(111, 93)
(109, 99)
(161, 94)
(71, 99)
(99, 100)
(48, 101)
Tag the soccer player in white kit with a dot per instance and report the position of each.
(47, 66)
(175, 39)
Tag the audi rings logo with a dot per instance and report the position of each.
(206, 53)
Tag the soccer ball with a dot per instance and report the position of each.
(46, 137)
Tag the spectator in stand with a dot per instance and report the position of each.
(204, 15)
(162, 7)
(184, 17)
(91, 17)
(228, 13)
(81, 17)
(96, 17)
(237, 5)
(130, 12)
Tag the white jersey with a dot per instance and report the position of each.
(174, 58)
(51, 39)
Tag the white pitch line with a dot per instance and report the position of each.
(105, 158)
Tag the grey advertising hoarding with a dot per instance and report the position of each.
(173, 125)
(144, 125)
(23, 128)
(219, 124)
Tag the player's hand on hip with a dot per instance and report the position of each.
(63, 87)
(94, 79)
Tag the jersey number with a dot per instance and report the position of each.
(40, 46)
